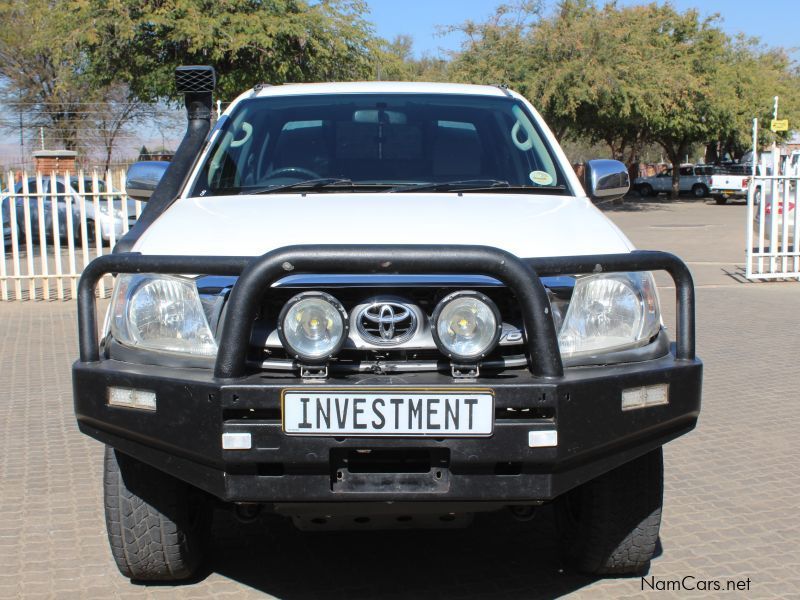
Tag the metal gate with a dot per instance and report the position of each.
(772, 227)
(772, 224)
(55, 225)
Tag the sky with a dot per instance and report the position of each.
(776, 22)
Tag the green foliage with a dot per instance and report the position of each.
(751, 76)
(247, 41)
(499, 50)
(59, 56)
(40, 76)
(394, 61)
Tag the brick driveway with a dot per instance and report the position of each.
(731, 499)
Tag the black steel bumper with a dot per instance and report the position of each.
(196, 407)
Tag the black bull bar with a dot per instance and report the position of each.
(256, 275)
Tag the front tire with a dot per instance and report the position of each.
(90, 232)
(610, 525)
(156, 524)
(699, 190)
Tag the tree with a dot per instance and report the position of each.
(498, 50)
(40, 63)
(629, 76)
(247, 41)
(752, 76)
(83, 68)
(119, 109)
(689, 109)
(394, 61)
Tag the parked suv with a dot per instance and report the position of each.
(693, 178)
(391, 303)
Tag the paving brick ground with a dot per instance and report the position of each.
(731, 494)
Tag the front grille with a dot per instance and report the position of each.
(390, 329)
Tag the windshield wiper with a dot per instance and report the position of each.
(460, 184)
(307, 184)
(480, 185)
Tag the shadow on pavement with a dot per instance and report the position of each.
(497, 557)
(636, 203)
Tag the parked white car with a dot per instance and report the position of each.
(100, 218)
(694, 179)
(383, 303)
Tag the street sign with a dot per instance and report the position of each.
(779, 125)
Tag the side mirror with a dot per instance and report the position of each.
(143, 177)
(606, 179)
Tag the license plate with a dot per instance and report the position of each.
(397, 412)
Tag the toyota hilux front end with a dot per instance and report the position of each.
(363, 299)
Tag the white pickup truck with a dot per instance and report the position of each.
(380, 303)
(732, 182)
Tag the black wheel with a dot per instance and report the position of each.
(157, 525)
(721, 199)
(699, 190)
(90, 232)
(610, 525)
(645, 189)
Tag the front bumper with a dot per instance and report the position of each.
(183, 437)
(195, 407)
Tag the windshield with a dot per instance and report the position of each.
(384, 142)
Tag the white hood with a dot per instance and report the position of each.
(525, 225)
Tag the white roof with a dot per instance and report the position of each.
(379, 87)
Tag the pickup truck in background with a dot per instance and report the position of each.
(732, 182)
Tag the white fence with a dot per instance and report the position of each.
(54, 225)
(772, 228)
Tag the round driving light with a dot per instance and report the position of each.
(312, 327)
(466, 326)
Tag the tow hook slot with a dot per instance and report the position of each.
(390, 471)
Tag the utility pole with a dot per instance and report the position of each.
(775, 141)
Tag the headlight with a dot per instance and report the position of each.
(466, 326)
(161, 312)
(312, 327)
(610, 312)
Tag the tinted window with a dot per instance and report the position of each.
(88, 185)
(379, 139)
(31, 186)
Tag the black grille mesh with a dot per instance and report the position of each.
(195, 79)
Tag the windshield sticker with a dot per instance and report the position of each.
(541, 178)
